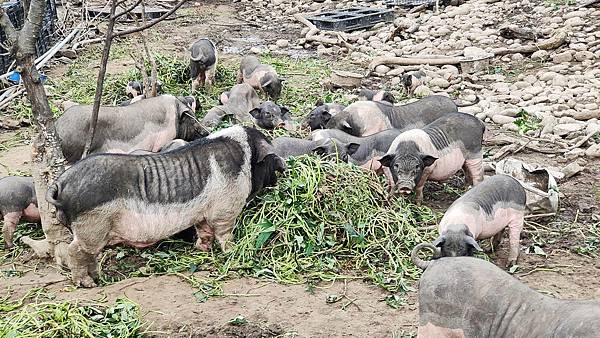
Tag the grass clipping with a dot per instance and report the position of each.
(327, 220)
(71, 319)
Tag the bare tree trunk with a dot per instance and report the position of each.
(47, 157)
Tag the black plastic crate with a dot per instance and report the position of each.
(351, 19)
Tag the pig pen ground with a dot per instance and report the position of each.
(325, 254)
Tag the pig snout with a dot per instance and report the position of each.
(404, 191)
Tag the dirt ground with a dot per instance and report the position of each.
(272, 310)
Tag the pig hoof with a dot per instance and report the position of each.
(203, 247)
(511, 263)
(86, 282)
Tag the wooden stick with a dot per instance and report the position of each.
(406, 61)
(556, 40)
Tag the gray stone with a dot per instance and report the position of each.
(473, 52)
(501, 119)
(593, 151)
(439, 82)
(571, 169)
(540, 55)
(562, 57)
(382, 69)
(583, 55)
(567, 128)
(574, 22)
(282, 43)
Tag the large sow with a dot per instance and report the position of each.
(139, 200)
(469, 297)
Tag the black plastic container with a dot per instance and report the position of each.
(351, 18)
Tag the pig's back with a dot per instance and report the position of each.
(419, 113)
(493, 190)
(174, 177)
(16, 193)
(456, 127)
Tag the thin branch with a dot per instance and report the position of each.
(151, 87)
(128, 9)
(151, 23)
(7, 27)
(100, 81)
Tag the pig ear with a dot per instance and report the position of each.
(428, 160)
(264, 150)
(255, 112)
(266, 83)
(440, 241)
(386, 161)
(351, 148)
(346, 125)
(326, 115)
(284, 110)
(320, 150)
(472, 242)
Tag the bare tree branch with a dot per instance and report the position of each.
(7, 27)
(100, 81)
(128, 9)
(151, 89)
(26, 4)
(151, 23)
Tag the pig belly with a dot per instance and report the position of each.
(142, 227)
(501, 219)
(447, 164)
(31, 213)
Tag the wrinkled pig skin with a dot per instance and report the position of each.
(378, 96)
(286, 147)
(469, 297)
(17, 201)
(320, 116)
(146, 125)
(268, 115)
(484, 212)
(364, 118)
(203, 63)
(370, 147)
(175, 144)
(436, 152)
(108, 199)
(260, 77)
(240, 100)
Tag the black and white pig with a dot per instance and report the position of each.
(286, 147)
(364, 118)
(320, 116)
(108, 199)
(203, 63)
(370, 148)
(483, 212)
(376, 95)
(17, 201)
(260, 76)
(269, 115)
(147, 125)
(436, 152)
(241, 99)
(469, 297)
(135, 92)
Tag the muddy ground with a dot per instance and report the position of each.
(168, 303)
